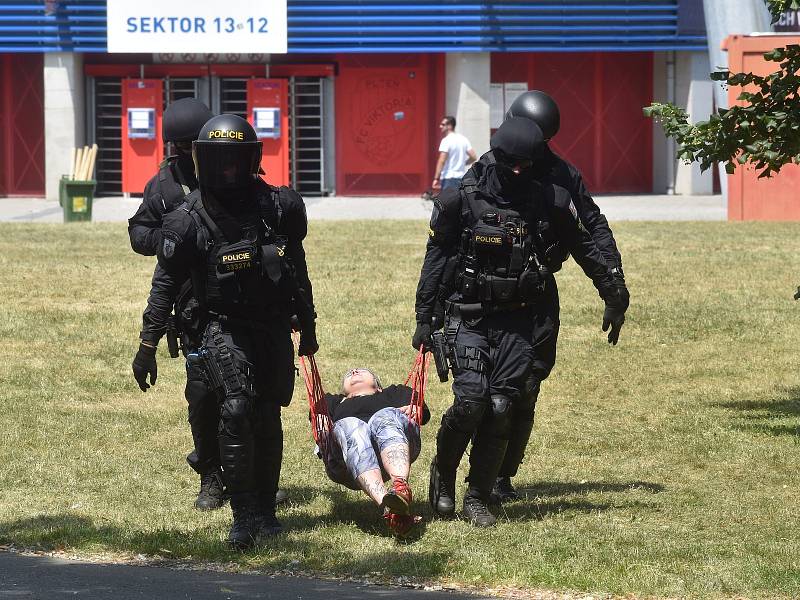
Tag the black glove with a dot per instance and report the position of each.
(144, 364)
(614, 316)
(422, 335)
(308, 342)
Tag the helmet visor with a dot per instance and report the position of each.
(220, 165)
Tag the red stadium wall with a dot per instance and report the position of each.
(600, 95)
(21, 125)
(387, 111)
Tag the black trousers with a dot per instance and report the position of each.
(493, 357)
(203, 420)
(257, 365)
(544, 335)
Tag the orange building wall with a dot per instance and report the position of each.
(750, 198)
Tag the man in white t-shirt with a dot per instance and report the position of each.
(455, 155)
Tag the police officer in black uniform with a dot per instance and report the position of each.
(551, 168)
(175, 179)
(240, 241)
(487, 250)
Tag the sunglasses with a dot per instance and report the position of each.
(352, 372)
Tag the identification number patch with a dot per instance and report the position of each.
(236, 261)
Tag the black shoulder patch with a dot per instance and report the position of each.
(168, 249)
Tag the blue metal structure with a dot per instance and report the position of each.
(326, 26)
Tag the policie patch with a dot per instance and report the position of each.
(168, 249)
(489, 240)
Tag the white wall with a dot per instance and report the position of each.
(64, 114)
(692, 90)
(467, 77)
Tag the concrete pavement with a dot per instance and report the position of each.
(616, 208)
(24, 576)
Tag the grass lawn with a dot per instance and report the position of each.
(665, 466)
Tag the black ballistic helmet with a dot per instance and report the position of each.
(517, 139)
(183, 119)
(227, 153)
(540, 108)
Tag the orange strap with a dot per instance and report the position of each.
(321, 424)
(419, 380)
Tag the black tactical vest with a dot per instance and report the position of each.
(498, 258)
(244, 278)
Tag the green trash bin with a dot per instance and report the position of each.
(76, 199)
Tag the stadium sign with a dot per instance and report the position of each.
(197, 26)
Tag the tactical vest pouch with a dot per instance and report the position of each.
(233, 258)
(554, 254)
(469, 285)
(272, 262)
(532, 284)
(501, 289)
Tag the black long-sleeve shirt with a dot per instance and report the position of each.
(165, 191)
(554, 169)
(363, 407)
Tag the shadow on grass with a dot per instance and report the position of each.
(356, 509)
(83, 535)
(760, 415)
(542, 499)
(558, 488)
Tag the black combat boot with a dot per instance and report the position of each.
(503, 491)
(281, 497)
(484, 464)
(442, 490)
(267, 524)
(450, 447)
(244, 529)
(212, 493)
(476, 510)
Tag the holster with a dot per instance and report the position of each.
(220, 367)
(461, 357)
(440, 355)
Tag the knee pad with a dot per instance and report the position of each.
(501, 416)
(501, 405)
(464, 415)
(235, 408)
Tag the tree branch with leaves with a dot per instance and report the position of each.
(763, 131)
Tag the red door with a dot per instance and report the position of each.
(382, 119)
(600, 95)
(22, 125)
(270, 98)
(141, 152)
